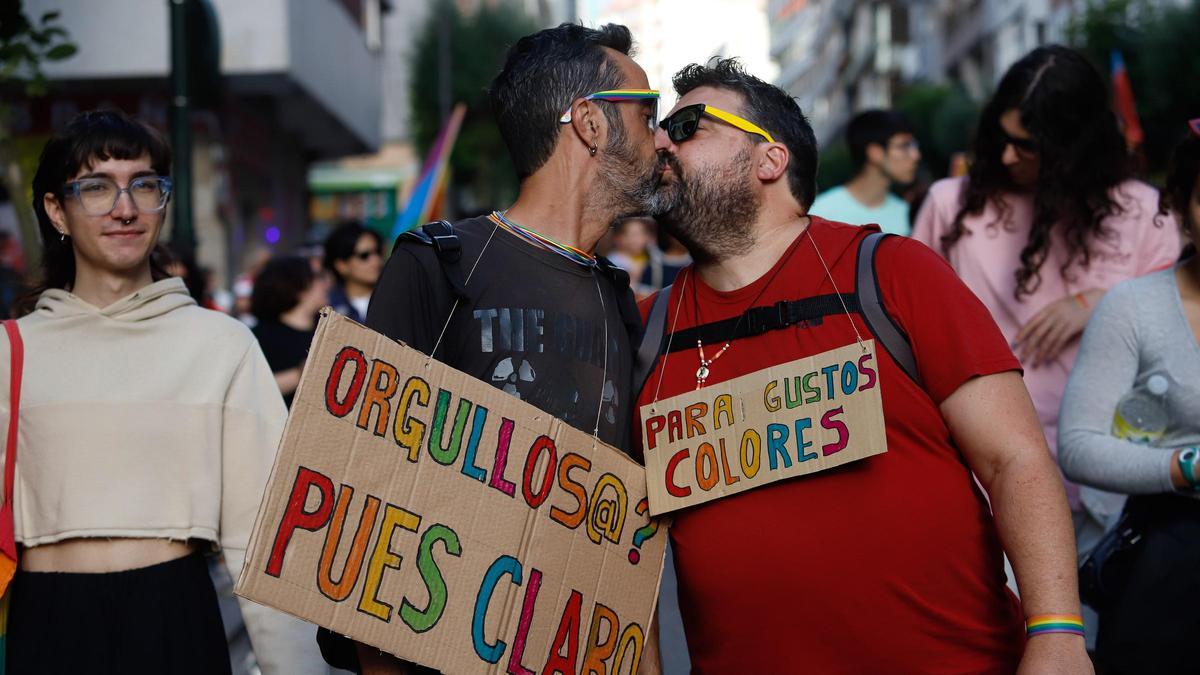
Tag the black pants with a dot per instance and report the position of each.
(158, 619)
(1154, 623)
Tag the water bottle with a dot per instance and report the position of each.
(1141, 415)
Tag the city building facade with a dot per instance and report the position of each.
(299, 82)
(842, 56)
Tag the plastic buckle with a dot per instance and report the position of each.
(759, 320)
(783, 314)
(447, 246)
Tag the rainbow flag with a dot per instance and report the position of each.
(427, 198)
(1126, 107)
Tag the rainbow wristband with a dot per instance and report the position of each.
(1042, 624)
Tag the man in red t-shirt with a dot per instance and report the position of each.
(889, 564)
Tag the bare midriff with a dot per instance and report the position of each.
(96, 556)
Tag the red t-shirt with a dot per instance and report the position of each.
(890, 564)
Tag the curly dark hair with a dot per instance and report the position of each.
(1064, 104)
(1181, 181)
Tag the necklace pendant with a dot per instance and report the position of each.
(702, 373)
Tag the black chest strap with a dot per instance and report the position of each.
(866, 301)
(759, 320)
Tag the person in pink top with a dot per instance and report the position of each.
(1048, 218)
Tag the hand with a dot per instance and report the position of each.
(1050, 330)
(1056, 654)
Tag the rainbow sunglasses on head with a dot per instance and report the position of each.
(683, 124)
(650, 95)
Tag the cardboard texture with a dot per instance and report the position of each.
(788, 420)
(416, 509)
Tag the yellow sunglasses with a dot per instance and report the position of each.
(683, 124)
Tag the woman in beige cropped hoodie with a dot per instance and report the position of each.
(147, 430)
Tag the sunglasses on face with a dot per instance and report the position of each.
(683, 124)
(1025, 147)
(649, 96)
(99, 196)
(366, 255)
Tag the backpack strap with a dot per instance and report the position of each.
(626, 303)
(652, 340)
(441, 236)
(870, 302)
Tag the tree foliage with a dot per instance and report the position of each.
(944, 119)
(24, 46)
(482, 177)
(1158, 43)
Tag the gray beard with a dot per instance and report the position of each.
(624, 190)
(712, 212)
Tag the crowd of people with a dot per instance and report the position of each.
(1044, 308)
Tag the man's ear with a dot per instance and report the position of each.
(876, 153)
(773, 161)
(589, 124)
(342, 267)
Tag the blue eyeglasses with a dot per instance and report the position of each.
(99, 196)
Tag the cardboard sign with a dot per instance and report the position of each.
(787, 420)
(416, 509)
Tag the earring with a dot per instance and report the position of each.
(592, 151)
(62, 236)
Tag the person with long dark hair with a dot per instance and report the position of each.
(1048, 218)
(1147, 328)
(148, 427)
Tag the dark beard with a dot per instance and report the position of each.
(710, 212)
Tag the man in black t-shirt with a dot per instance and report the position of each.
(536, 325)
(538, 315)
